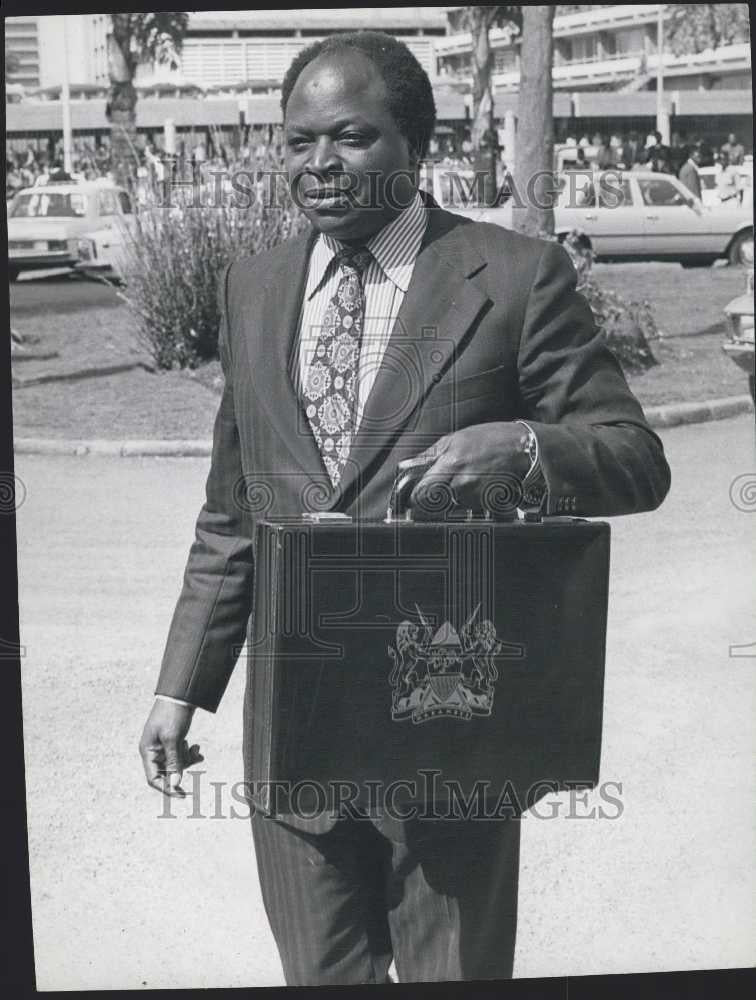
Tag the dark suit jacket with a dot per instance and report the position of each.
(689, 176)
(491, 328)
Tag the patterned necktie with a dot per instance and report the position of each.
(331, 386)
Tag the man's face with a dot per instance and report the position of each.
(349, 165)
(731, 139)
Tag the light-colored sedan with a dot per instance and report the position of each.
(46, 221)
(626, 215)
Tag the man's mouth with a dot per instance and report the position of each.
(327, 197)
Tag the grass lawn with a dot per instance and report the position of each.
(139, 404)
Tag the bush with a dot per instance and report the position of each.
(626, 325)
(174, 256)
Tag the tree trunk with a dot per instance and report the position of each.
(123, 146)
(482, 133)
(534, 160)
(121, 108)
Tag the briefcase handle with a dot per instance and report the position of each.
(442, 506)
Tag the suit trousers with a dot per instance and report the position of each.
(342, 904)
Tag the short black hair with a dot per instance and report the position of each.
(410, 95)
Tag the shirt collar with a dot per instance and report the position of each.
(395, 248)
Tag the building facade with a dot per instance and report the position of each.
(46, 44)
(227, 48)
(612, 47)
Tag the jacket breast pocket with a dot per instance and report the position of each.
(453, 389)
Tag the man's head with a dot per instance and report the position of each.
(695, 155)
(732, 138)
(358, 116)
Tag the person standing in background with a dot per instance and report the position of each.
(689, 173)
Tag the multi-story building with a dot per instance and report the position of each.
(609, 47)
(43, 42)
(226, 48)
(22, 41)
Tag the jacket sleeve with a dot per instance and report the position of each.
(598, 455)
(208, 627)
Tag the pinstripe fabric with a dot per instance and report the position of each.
(341, 904)
(385, 282)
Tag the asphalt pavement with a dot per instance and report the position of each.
(124, 896)
(58, 291)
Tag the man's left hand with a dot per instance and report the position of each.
(483, 466)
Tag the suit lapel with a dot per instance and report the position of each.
(439, 308)
(273, 353)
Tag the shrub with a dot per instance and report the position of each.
(177, 249)
(626, 325)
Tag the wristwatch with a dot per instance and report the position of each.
(534, 488)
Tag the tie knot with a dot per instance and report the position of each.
(354, 258)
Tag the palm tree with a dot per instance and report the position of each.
(135, 38)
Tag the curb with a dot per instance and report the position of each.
(675, 414)
(672, 415)
(78, 373)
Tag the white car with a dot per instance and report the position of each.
(626, 215)
(46, 221)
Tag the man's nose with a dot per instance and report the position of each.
(325, 158)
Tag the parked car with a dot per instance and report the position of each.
(739, 344)
(626, 215)
(45, 222)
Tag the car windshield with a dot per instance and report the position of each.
(49, 205)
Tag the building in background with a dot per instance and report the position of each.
(233, 63)
(42, 42)
(22, 41)
(226, 48)
(606, 48)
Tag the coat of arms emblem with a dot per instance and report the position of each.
(446, 673)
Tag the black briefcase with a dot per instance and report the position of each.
(399, 666)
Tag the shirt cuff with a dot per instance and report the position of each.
(534, 487)
(176, 701)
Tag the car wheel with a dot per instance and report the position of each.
(741, 249)
(13, 273)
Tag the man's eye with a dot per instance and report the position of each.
(354, 139)
(297, 141)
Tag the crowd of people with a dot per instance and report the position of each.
(24, 168)
(209, 151)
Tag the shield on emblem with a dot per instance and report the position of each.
(444, 685)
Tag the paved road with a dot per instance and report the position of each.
(124, 899)
(59, 292)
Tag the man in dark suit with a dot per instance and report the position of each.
(391, 321)
(689, 174)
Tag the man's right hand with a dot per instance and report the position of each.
(164, 749)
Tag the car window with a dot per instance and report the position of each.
(658, 191)
(125, 203)
(106, 203)
(576, 189)
(49, 205)
(615, 191)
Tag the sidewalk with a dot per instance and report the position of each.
(671, 415)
